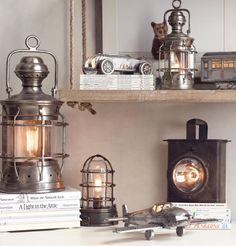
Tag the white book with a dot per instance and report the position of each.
(68, 194)
(40, 226)
(115, 78)
(40, 205)
(117, 82)
(88, 87)
(211, 226)
(35, 220)
(33, 214)
(208, 211)
(199, 205)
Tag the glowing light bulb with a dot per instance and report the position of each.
(32, 141)
(175, 63)
(98, 187)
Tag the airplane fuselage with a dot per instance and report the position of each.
(172, 217)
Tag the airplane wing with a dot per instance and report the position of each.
(136, 228)
(200, 221)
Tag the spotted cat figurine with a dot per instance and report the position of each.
(160, 31)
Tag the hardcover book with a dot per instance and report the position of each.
(68, 194)
(40, 211)
(218, 211)
(117, 82)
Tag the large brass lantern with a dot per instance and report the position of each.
(32, 155)
(177, 69)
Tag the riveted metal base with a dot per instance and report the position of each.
(98, 216)
(177, 81)
(33, 177)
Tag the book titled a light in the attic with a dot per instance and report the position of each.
(40, 211)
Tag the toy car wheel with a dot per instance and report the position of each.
(179, 231)
(106, 67)
(149, 234)
(145, 68)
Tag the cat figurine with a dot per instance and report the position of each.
(160, 31)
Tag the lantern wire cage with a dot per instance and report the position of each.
(97, 192)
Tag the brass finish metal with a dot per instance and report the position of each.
(31, 110)
(177, 70)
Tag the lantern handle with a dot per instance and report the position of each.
(31, 49)
(175, 8)
(191, 129)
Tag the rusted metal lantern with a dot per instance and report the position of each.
(177, 69)
(31, 125)
(97, 192)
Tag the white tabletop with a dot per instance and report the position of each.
(87, 236)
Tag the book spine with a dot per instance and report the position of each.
(16, 198)
(199, 205)
(210, 226)
(33, 220)
(40, 226)
(42, 206)
(117, 82)
(33, 213)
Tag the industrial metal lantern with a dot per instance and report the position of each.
(177, 69)
(31, 125)
(97, 192)
(196, 166)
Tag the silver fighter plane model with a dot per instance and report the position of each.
(159, 216)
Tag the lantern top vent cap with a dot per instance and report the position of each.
(31, 66)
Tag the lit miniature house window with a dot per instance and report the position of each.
(177, 69)
(31, 127)
(97, 192)
(216, 64)
(228, 64)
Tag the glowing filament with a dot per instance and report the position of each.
(32, 141)
(174, 61)
(98, 187)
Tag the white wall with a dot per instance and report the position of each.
(129, 134)
(140, 34)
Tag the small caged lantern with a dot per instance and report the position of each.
(177, 69)
(97, 192)
(31, 159)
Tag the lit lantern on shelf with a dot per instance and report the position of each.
(196, 166)
(31, 125)
(177, 68)
(97, 192)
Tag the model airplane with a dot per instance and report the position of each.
(159, 216)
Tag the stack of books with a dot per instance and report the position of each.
(20, 212)
(117, 82)
(218, 211)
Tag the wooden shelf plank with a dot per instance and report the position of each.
(184, 96)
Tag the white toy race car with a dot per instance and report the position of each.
(107, 64)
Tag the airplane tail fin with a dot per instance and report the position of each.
(125, 212)
(124, 217)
